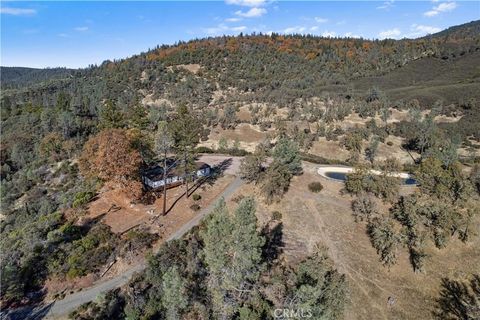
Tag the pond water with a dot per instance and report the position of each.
(410, 181)
(342, 176)
(336, 175)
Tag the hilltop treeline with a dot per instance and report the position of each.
(276, 68)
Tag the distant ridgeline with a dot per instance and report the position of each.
(17, 77)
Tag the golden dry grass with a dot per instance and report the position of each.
(325, 218)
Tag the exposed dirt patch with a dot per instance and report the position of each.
(115, 210)
(246, 132)
(353, 120)
(249, 136)
(244, 114)
(216, 160)
(329, 149)
(193, 68)
(403, 115)
(468, 152)
(395, 150)
(446, 119)
(150, 101)
(144, 76)
(398, 116)
(217, 96)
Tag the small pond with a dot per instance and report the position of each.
(336, 175)
(342, 176)
(410, 181)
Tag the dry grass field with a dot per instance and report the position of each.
(325, 218)
(248, 136)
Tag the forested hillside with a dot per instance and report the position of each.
(48, 115)
(16, 77)
(275, 68)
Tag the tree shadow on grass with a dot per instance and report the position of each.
(216, 173)
(34, 312)
(459, 300)
(219, 170)
(273, 233)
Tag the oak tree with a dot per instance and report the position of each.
(109, 156)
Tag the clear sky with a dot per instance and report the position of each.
(76, 34)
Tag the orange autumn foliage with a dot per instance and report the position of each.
(109, 155)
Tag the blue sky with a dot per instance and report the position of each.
(76, 34)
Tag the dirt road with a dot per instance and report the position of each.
(215, 159)
(69, 303)
(60, 308)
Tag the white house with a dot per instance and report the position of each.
(153, 177)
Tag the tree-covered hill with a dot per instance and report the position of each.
(430, 79)
(16, 77)
(296, 65)
(466, 30)
(47, 116)
(276, 69)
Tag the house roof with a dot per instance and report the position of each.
(155, 173)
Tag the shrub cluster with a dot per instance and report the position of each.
(315, 187)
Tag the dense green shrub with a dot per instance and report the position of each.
(90, 252)
(276, 182)
(203, 149)
(138, 240)
(230, 151)
(277, 215)
(459, 299)
(66, 232)
(363, 207)
(384, 239)
(82, 198)
(362, 181)
(315, 186)
(252, 166)
(196, 197)
(195, 207)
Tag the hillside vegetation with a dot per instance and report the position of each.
(68, 133)
(16, 77)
